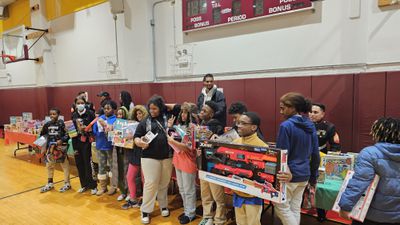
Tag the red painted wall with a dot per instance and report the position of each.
(353, 101)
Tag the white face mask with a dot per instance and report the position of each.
(80, 107)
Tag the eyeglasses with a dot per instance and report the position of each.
(243, 123)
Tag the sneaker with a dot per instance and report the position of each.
(121, 197)
(47, 188)
(82, 189)
(127, 198)
(130, 204)
(145, 218)
(206, 221)
(180, 216)
(93, 191)
(164, 212)
(321, 219)
(101, 191)
(185, 219)
(65, 188)
(112, 190)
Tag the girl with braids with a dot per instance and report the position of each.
(383, 159)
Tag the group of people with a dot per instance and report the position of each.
(148, 166)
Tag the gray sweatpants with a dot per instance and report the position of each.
(187, 189)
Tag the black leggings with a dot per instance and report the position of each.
(82, 160)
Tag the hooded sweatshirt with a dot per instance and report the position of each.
(298, 135)
(102, 142)
(382, 159)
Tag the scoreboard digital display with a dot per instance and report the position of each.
(199, 14)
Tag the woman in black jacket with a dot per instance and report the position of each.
(82, 117)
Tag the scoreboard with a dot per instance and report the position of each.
(199, 14)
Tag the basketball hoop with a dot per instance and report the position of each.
(15, 47)
(11, 58)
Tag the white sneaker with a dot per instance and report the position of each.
(121, 197)
(127, 198)
(81, 190)
(206, 221)
(145, 218)
(164, 212)
(93, 191)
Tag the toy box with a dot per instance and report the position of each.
(70, 127)
(361, 208)
(336, 166)
(26, 116)
(245, 168)
(122, 134)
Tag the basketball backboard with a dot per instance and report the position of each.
(14, 45)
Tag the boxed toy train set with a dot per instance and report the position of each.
(245, 168)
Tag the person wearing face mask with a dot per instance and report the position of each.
(82, 117)
(89, 105)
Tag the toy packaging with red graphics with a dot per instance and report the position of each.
(248, 169)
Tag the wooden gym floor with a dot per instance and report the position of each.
(22, 203)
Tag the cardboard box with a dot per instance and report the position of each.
(26, 116)
(361, 208)
(122, 134)
(242, 170)
(71, 130)
(321, 175)
(336, 166)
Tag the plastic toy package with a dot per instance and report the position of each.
(245, 168)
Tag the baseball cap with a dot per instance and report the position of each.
(104, 94)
